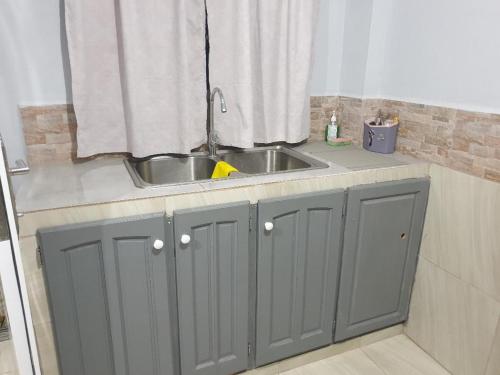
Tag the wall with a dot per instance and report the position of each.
(32, 69)
(463, 140)
(422, 52)
(433, 63)
(329, 48)
(444, 53)
(357, 20)
(455, 308)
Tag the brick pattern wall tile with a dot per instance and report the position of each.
(49, 132)
(349, 115)
(322, 108)
(462, 140)
(351, 118)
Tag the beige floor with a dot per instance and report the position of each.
(397, 355)
(7, 360)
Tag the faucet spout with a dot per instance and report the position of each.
(212, 137)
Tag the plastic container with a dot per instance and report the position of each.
(380, 138)
(332, 130)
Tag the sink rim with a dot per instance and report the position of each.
(131, 162)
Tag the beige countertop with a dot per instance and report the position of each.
(67, 184)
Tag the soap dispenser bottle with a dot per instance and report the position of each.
(331, 131)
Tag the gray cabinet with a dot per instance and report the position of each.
(220, 280)
(212, 258)
(297, 271)
(109, 292)
(381, 242)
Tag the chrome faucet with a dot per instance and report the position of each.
(212, 137)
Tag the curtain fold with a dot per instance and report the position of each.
(261, 58)
(138, 75)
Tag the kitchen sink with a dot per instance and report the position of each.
(168, 170)
(161, 170)
(256, 161)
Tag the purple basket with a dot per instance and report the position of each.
(380, 138)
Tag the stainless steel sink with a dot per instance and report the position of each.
(266, 161)
(161, 170)
(168, 170)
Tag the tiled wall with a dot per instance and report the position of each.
(349, 114)
(455, 308)
(49, 132)
(322, 108)
(462, 140)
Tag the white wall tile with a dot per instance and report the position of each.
(452, 321)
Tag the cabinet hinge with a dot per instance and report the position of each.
(39, 259)
(333, 327)
(249, 350)
(252, 217)
(344, 207)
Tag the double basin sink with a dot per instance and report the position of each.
(168, 170)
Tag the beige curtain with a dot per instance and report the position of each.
(138, 75)
(261, 58)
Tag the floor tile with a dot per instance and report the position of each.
(319, 354)
(399, 355)
(393, 356)
(271, 369)
(380, 335)
(354, 362)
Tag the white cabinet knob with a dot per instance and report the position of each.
(185, 239)
(158, 244)
(269, 226)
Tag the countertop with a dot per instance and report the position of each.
(68, 184)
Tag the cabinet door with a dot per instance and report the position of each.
(212, 288)
(297, 273)
(76, 287)
(381, 242)
(138, 288)
(109, 296)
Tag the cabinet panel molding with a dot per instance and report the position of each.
(382, 237)
(110, 296)
(213, 288)
(297, 273)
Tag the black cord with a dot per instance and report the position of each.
(207, 61)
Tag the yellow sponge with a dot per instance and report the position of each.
(223, 169)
